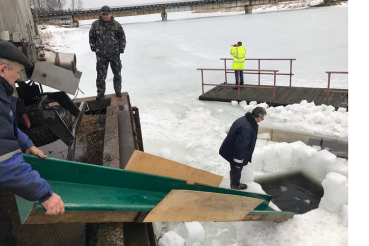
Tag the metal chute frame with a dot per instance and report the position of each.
(51, 68)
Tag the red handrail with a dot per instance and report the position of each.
(329, 84)
(262, 59)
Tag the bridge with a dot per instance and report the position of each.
(163, 8)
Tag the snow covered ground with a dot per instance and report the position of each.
(159, 72)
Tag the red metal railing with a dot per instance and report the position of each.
(259, 68)
(329, 85)
(246, 71)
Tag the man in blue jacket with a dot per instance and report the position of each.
(15, 174)
(238, 146)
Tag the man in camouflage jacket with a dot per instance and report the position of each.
(108, 40)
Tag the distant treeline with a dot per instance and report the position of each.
(46, 6)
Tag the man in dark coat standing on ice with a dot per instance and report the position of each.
(238, 147)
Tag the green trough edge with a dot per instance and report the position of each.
(99, 188)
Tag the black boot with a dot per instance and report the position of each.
(239, 187)
(236, 187)
(118, 94)
(100, 96)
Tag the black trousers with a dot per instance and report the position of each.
(235, 173)
(6, 234)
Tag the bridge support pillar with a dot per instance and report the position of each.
(248, 9)
(164, 16)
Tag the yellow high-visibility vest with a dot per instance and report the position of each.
(238, 54)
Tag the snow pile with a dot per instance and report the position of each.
(182, 233)
(171, 239)
(304, 117)
(308, 229)
(193, 233)
(287, 5)
(273, 157)
(309, 118)
(234, 103)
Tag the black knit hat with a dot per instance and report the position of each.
(105, 10)
(10, 52)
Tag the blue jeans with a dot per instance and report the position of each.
(241, 76)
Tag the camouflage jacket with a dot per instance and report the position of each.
(107, 41)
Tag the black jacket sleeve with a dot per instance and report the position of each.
(240, 145)
(122, 39)
(92, 38)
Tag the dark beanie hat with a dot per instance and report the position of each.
(10, 52)
(105, 10)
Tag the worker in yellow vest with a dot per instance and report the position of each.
(238, 52)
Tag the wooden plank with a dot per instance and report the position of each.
(297, 96)
(185, 205)
(38, 217)
(321, 98)
(289, 93)
(125, 129)
(305, 94)
(268, 217)
(314, 94)
(284, 95)
(334, 99)
(147, 163)
(112, 233)
(111, 146)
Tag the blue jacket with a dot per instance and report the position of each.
(238, 146)
(15, 174)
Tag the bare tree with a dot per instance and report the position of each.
(61, 4)
(41, 6)
(76, 5)
(73, 4)
(79, 4)
(51, 5)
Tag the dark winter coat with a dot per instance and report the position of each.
(238, 146)
(15, 174)
(108, 40)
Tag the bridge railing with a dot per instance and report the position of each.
(329, 84)
(245, 71)
(259, 66)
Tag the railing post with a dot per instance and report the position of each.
(225, 71)
(202, 81)
(238, 84)
(329, 84)
(259, 69)
(274, 88)
(290, 72)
